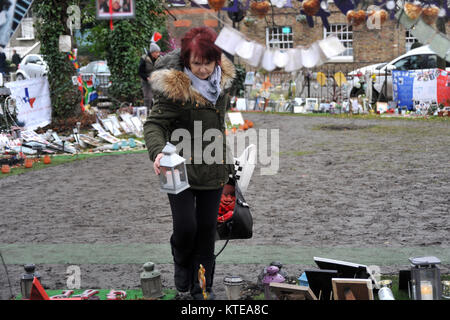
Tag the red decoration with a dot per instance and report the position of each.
(37, 291)
(226, 208)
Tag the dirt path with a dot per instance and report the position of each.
(343, 185)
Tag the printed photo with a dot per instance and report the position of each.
(115, 9)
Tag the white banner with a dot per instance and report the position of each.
(34, 108)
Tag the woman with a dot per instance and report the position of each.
(192, 88)
(146, 67)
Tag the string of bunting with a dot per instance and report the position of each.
(258, 55)
(292, 59)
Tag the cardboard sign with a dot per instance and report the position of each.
(32, 97)
(241, 105)
(235, 118)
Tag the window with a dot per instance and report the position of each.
(179, 3)
(409, 40)
(280, 37)
(345, 35)
(33, 59)
(26, 27)
(415, 62)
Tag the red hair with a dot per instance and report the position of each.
(200, 43)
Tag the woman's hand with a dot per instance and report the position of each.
(156, 163)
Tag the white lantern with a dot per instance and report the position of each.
(173, 176)
(425, 278)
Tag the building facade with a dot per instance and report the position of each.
(286, 28)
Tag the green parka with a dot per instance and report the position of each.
(177, 105)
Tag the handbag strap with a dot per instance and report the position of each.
(216, 255)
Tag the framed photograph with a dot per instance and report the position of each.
(320, 282)
(120, 9)
(311, 104)
(285, 291)
(345, 269)
(352, 289)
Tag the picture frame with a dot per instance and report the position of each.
(320, 282)
(285, 291)
(352, 289)
(311, 104)
(122, 9)
(345, 269)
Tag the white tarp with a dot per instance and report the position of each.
(34, 108)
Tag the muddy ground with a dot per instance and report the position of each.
(349, 183)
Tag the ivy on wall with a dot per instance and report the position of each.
(51, 23)
(123, 46)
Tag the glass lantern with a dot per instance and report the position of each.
(151, 282)
(173, 176)
(425, 278)
(26, 281)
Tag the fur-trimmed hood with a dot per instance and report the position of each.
(170, 80)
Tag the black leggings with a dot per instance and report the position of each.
(194, 214)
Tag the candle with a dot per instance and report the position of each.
(177, 177)
(169, 184)
(426, 290)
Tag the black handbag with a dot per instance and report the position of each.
(240, 225)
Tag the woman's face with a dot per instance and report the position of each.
(200, 68)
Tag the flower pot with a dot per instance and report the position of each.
(6, 168)
(47, 159)
(28, 163)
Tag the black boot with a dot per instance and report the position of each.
(182, 277)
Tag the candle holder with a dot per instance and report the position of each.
(151, 282)
(272, 275)
(173, 177)
(425, 278)
(446, 290)
(233, 287)
(26, 281)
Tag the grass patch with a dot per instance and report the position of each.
(62, 159)
(402, 130)
(358, 116)
(132, 294)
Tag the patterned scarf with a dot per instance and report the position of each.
(209, 88)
